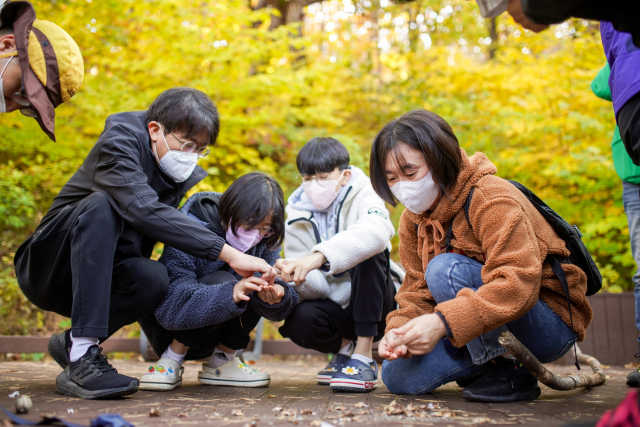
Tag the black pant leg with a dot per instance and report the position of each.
(628, 119)
(66, 266)
(138, 286)
(319, 325)
(372, 295)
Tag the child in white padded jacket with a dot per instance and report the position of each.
(337, 243)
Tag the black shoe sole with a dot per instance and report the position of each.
(67, 387)
(633, 383)
(58, 349)
(525, 394)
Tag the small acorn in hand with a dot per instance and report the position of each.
(23, 404)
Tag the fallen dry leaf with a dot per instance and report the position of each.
(306, 412)
(394, 408)
(277, 408)
(314, 423)
(182, 415)
(340, 408)
(237, 413)
(361, 405)
(271, 396)
(253, 423)
(290, 413)
(155, 412)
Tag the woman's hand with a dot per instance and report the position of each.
(390, 353)
(244, 287)
(420, 335)
(245, 265)
(271, 294)
(296, 270)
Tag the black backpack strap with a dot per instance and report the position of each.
(467, 205)
(559, 272)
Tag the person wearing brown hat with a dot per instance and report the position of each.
(40, 65)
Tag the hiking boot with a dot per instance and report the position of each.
(505, 381)
(92, 377)
(233, 373)
(335, 365)
(165, 375)
(60, 347)
(633, 379)
(355, 377)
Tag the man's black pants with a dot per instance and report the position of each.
(234, 333)
(69, 267)
(321, 324)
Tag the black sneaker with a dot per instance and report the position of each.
(92, 377)
(633, 379)
(468, 381)
(335, 365)
(505, 381)
(60, 347)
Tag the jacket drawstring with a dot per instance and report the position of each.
(438, 237)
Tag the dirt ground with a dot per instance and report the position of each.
(294, 398)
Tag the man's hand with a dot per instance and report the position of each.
(245, 265)
(244, 287)
(420, 335)
(271, 294)
(515, 10)
(386, 351)
(296, 270)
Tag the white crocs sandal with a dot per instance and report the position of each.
(233, 373)
(164, 376)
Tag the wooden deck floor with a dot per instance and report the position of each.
(303, 402)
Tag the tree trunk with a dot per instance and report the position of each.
(493, 34)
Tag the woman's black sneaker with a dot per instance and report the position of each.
(468, 381)
(92, 377)
(505, 381)
(60, 347)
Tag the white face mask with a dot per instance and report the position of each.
(417, 196)
(3, 104)
(177, 164)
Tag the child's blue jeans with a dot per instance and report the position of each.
(540, 330)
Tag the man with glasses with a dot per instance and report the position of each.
(41, 65)
(89, 257)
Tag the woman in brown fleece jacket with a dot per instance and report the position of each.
(454, 304)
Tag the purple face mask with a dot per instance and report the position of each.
(245, 240)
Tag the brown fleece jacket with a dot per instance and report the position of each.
(514, 238)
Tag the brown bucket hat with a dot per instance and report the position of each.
(51, 62)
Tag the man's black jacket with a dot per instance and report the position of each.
(123, 167)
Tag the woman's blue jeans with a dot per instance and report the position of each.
(540, 330)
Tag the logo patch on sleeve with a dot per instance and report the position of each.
(377, 211)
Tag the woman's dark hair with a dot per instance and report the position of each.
(249, 200)
(187, 111)
(423, 131)
(322, 155)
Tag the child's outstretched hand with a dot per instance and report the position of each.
(244, 287)
(271, 294)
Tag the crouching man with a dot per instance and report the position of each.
(89, 257)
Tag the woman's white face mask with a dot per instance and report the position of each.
(179, 165)
(417, 196)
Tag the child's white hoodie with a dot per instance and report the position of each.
(362, 228)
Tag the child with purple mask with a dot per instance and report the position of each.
(210, 310)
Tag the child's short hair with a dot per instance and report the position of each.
(322, 155)
(249, 200)
(187, 111)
